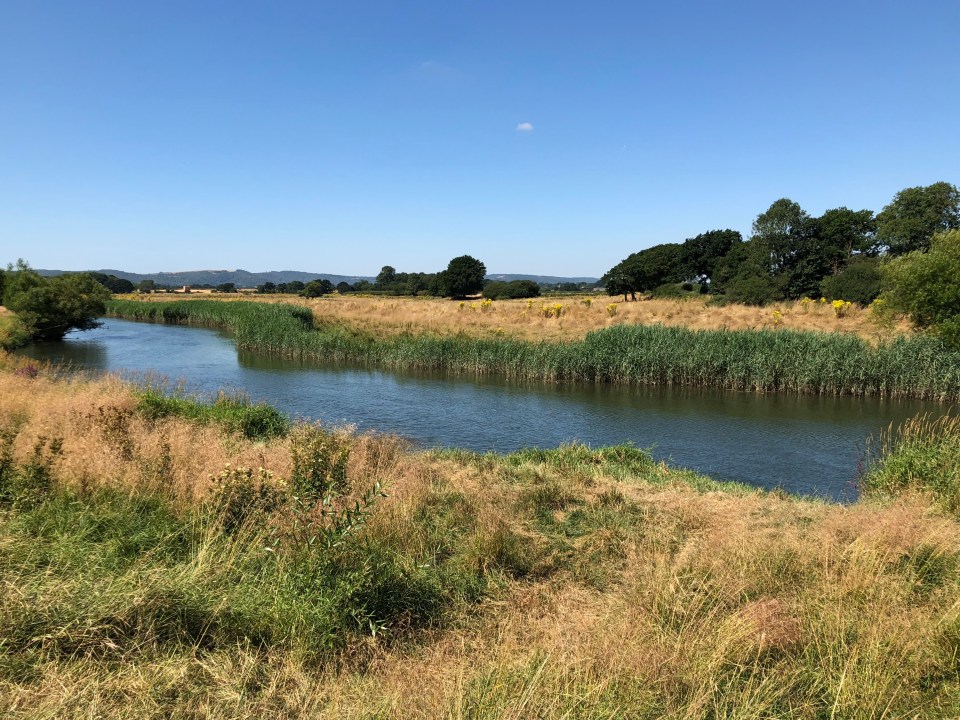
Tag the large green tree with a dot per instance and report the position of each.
(49, 308)
(842, 233)
(917, 213)
(617, 281)
(317, 288)
(702, 253)
(777, 233)
(463, 276)
(646, 270)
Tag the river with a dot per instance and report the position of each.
(803, 444)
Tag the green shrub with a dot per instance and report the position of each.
(858, 282)
(753, 290)
(668, 290)
(513, 290)
(926, 286)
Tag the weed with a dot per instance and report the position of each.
(241, 495)
(319, 462)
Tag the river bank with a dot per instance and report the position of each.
(759, 360)
(153, 579)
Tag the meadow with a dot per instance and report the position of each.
(162, 559)
(539, 319)
(766, 360)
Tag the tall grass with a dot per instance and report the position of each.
(921, 455)
(762, 360)
(569, 583)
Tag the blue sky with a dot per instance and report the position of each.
(541, 137)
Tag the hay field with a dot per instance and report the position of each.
(529, 320)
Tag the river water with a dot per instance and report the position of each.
(804, 444)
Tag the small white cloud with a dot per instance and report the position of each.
(525, 127)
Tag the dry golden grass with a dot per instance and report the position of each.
(524, 319)
(681, 604)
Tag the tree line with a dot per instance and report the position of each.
(792, 254)
(464, 276)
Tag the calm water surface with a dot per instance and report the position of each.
(809, 445)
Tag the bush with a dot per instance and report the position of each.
(241, 494)
(859, 282)
(753, 290)
(926, 286)
(319, 462)
(513, 290)
(671, 290)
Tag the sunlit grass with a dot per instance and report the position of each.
(523, 319)
(573, 582)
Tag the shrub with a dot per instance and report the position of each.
(319, 462)
(859, 282)
(234, 411)
(670, 290)
(241, 494)
(926, 286)
(753, 290)
(513, 290)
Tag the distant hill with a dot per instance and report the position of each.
(240, 278)
(542, 279)
(245, 279)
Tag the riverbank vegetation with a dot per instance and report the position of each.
(791, 254)
(41, 308)
(162, 564)
(769, 360)
(579, 314)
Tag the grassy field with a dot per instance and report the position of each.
(763, 360)
(528, 320)
(152, 569)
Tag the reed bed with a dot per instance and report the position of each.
(760, 360)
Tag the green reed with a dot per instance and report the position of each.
(761, 360)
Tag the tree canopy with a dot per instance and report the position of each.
(49, 308)
(910, 221)
(791, 253)
(463, 276)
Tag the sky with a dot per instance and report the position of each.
(550, 138)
